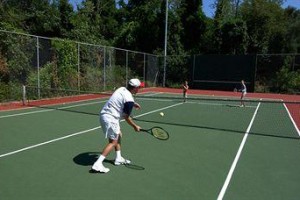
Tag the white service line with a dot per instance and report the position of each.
(237, 157)
(77, 133)
(218, 104)
(151, 94)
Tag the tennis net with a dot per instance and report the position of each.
(271, 117)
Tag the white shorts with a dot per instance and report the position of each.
(110, 126)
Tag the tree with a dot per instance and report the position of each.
(234, 37)
(104, 18)
(40, 17)
(84, 25)
(144, 22)
(265, 24)
(230, 31)
(293, 30)
(192, 19)
(65, 14)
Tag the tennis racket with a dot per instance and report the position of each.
(157, 132)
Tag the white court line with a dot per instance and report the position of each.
(48, 142)
(50, 109)
(191, 101)
(77, 133)
(158, 99)
(219, 104)
(294, 123)
(199, 103)
(237, 157)
(150, 94)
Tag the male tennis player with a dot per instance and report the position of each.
(243, 93)
(118, 107)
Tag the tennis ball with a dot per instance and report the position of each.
(162, 114)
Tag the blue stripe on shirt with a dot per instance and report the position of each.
(128, 107)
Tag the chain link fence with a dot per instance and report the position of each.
(265, 73)
(69, 65)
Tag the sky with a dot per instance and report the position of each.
(207, 5)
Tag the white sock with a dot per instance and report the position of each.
(100, 160)
(118, 154)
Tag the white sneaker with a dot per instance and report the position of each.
(122, 161)
(100, 169)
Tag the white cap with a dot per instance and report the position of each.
(134, 82)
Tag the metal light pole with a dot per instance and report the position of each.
(166, 42)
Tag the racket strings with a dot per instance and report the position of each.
(160, 133)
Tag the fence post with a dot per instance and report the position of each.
(144, 72)
(38, 66)
(24, 95)
(126, 67)
(104, 69)
(78, 66)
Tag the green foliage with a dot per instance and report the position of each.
(17, 52)
(10, 91)
(176, 73)
(143, 21)
(234, 37)
(238, 27)
(255, 26)
(293, 30)
(66, 13)
(61, 72)
(46, 77)
(65, 59)
(286, 80)
(191, 15)
(116, 77)
(266, 23)
(4, 92)
(91, 80)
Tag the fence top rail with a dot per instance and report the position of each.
(64, 40)
(278, 54)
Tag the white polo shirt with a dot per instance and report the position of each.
(115, 105)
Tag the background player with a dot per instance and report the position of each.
(185, 88)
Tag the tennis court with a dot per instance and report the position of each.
(216, 150)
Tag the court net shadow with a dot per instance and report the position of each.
(221, 129)
(65, 109)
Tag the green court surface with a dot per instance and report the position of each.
(216, 150)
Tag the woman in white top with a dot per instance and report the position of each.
(243, 92)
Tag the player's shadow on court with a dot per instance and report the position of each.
(88, 159)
